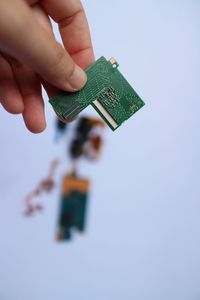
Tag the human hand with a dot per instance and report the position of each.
(30, 55)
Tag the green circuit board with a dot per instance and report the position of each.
(106, 90)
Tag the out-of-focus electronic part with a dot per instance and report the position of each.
(46, 185)
(60, 129)
(73, 205)
(87, 140)
(106, 90)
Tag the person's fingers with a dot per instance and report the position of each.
(10, 96)
(30, 89)
(23, 38)
(73, 27)
(41, 17)
(32, 2)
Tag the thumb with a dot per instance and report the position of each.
(23, 38)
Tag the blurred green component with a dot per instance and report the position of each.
(73, 206)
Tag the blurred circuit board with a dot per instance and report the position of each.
(73, 206)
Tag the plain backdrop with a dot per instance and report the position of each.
(143, 230)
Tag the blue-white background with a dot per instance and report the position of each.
(143, 230)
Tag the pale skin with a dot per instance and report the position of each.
(31, 57)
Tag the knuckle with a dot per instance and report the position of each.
(59, 56)
(16, 64)
(61, 62)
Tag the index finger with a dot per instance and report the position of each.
(73, 27)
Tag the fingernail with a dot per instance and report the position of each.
(77, 80)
